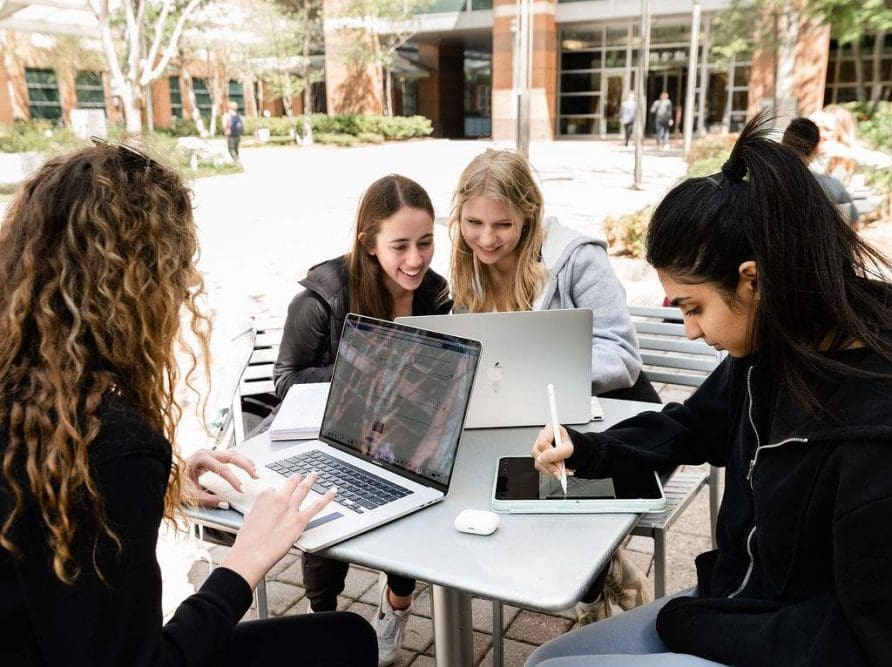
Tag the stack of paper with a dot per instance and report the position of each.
(300, 415)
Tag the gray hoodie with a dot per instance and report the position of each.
(580, 276)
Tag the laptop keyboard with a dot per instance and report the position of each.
(357, 490)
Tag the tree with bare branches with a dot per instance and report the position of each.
(138, 49)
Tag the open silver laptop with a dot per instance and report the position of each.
(390, 432)
(522, 353)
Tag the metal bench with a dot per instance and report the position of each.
(670, 358)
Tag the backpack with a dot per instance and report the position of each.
(236, 126)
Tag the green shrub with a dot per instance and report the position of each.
(714, 145)
(40, 136)
(709, 154)
(877, 130)
(370, 138)
(396, 127)
(278, 126)
(880, 180)
(626, 234)
(335, 139)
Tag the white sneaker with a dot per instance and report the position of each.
(390, 626)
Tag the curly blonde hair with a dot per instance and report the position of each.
(506, 177)
(96, 260)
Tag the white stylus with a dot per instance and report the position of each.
(556, 429)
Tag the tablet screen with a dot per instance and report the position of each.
(518, 479)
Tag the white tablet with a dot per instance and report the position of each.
(519, 488)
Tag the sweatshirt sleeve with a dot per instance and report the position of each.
(682, 434)
(850, 626)
(117, 619)
(616, 362)
(305, 337)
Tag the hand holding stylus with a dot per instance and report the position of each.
(556, 430)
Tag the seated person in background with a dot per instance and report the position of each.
(799, 414)
(506, 258)
(802, 137)
(385, 275)
(96, 263)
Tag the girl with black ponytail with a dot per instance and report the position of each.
(763, 266)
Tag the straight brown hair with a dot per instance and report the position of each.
(383, 198)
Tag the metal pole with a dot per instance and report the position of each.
(524, 55)
(641, 119)
(453, 634)
(692, 79)
(704, 77)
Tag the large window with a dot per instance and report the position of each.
(842, 75)
(237, 95)
(44, 100)
(176, 97)
(90, 91)
(202, 96)
(598, 65)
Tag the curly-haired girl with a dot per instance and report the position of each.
(96, 264)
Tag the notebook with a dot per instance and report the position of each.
(390, 432)
(300, 416)
(518, 488)
(522, 353)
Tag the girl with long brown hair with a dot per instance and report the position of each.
(96, 264)
(385, 275)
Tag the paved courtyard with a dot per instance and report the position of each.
(262, 229)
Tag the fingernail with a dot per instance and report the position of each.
(333, 489)
(222, 505)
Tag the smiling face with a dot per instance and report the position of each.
(708, 315)
(404, 247)
(490, 231)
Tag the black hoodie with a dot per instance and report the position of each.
(316, 317)
(803, 570)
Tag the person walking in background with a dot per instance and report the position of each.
(627, 112)
(662, 111)
(802, 136)
(233, 128)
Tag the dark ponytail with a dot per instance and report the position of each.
(820, 286)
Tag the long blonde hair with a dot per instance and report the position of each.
(96, 260)
(506, 177)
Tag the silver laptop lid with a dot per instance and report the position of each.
(399, 396)
(522, 352)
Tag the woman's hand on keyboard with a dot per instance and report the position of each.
(214, 461)
(272, 526)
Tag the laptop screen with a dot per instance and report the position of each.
(399, 395)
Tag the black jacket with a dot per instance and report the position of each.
(46, 622)
(803, 570)
(316, 317)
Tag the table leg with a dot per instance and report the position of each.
(453, 635)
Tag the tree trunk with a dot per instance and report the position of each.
(729, 97)
(308, 109)
(837, 66)
(877, 88)
(788, 34)
(193, 103)
(860, 88)
(17, 101)
(388, 93)
(287, 95)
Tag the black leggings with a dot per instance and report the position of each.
(324, 580)
(335, 639)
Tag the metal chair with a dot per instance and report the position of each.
(670, 358)
(226, 429)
